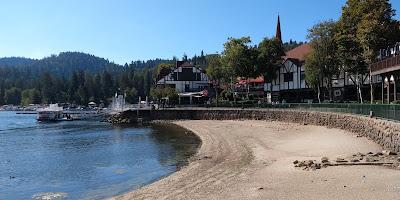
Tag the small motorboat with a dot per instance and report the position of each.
(67, 117)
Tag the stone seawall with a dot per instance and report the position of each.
(385, 133)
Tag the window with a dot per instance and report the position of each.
(187, 74)
(174, 76)
(288, 77)
(302, 75)
(198, 76)
(187, 88)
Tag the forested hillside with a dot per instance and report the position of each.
(16, 62)
(72, 77)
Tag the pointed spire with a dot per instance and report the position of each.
(278, 34)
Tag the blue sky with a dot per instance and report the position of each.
(126, 30)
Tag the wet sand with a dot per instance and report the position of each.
(254, 160)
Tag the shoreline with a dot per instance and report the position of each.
(232, 163)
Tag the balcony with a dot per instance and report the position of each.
(385, 66)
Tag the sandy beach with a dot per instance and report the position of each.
(254, 160)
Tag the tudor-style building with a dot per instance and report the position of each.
(290, 84)
(185, 77)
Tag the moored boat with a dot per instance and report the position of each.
(51, 113)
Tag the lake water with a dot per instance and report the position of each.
(85, 159)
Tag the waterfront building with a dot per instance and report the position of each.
(386, 72)
(291, 86)
(188, 80)
(185, 77)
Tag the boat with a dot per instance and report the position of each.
(51, 113)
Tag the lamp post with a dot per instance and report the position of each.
(393, 80)
(387, 89)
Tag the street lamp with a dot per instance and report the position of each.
(387, 89)
(392, 80)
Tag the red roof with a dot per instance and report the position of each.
(259, 79)
(299, 52)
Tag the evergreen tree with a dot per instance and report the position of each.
(2, 91)
(13, 96)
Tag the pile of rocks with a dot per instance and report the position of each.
(118, 119)
(384, 158)
(308, 164)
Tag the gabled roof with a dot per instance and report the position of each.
(299, 53)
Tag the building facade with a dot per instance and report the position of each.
(291, 86)
(185, 78)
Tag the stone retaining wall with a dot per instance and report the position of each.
(385, 133)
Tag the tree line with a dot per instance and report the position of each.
(82, 87)
(241, 59)
(72, 77)
(79, 78)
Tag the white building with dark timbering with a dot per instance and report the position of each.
(291, 86)
(185, 77)
(188, 80)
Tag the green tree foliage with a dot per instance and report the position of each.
(13, 96)
(313, 73)
(162, 70)
(2, 91)
(287, 46)
(159, 93)
(363, 28)
(48, 88)
(200, 61)
(270, 58)
(325, 55)
(131, 95)
(216, 72)
(30, 96)
(241, 58)
(81, 87)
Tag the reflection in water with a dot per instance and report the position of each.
(50, 196)
(85, 159)
(175, 137)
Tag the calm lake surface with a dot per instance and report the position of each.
(85, 159)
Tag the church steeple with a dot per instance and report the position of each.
(278, 34)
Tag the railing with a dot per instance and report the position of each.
(386, 63)
(387, 111)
